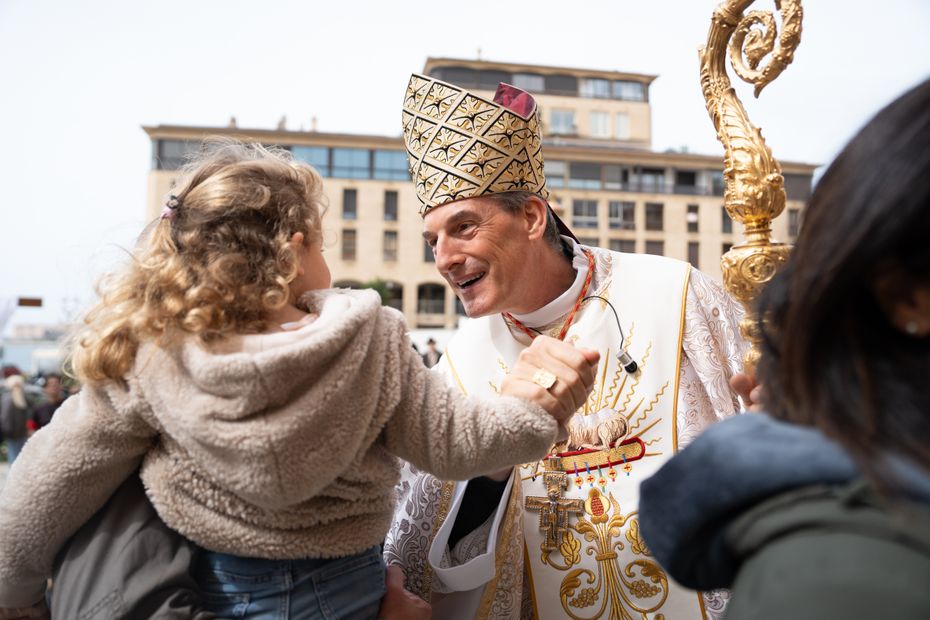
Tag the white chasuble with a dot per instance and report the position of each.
(565, 542)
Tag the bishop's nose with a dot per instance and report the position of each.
(447, 255)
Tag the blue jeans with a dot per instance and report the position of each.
(14, 447)
(237, 587)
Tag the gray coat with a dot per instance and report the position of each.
(125, 563)
(12, 418)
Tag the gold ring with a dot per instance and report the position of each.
(544, 379)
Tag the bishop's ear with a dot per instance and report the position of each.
(535, 212)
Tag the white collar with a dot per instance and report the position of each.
(561, 305)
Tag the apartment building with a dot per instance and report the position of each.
(606, 182)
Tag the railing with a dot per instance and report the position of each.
(640, 187)
(431, 306)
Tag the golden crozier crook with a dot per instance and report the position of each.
(754, 189)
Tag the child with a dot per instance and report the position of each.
(265, 410)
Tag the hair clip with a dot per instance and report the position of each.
(171, 208)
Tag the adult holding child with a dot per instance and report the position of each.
(266, 410)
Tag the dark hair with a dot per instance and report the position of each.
(513, 201)
(831, 357)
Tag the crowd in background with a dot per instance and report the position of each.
(26, 405)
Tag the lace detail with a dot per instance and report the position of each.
(715, 603)
(407, 541)
(695, 411)
(712, 342)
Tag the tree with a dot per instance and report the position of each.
(381, 287)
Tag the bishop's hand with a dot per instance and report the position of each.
(749, 390)
(553, 374)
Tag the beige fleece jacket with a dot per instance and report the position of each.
(277, 446)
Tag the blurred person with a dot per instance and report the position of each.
(15, 412)
(432, 355)
(530, 541)
(221, 361)
(821, 509)
(55, 395)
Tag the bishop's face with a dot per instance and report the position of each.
(481, 250)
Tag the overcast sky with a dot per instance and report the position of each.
(80, 78)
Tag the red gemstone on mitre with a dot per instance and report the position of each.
(516, 100)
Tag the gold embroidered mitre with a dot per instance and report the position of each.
(462, 145)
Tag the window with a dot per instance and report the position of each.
(621, 215)
(348, 244)
(591, 242)
(529, 82)
(654, 216)
(652, 180)
(172, 154)
(726, 224)
(726, 247)
(390, 206)
(655, 247)
(490, 79)
(584, 213)
(465, 77)
(600, 124)
(349, 204)
(794, 222)
(585, 176)
(622, 126)
(798, 186)
(555, 173)
(431, 299)
(562, 122)
(716, 183)
(685, 182)
(629, 91)
(390, 245)
(391, 165)
(351, 163)
(692, 218)
(485, 79)
(593, 87)
(316, 156)
(562, 85)
(616, 177)
(395, 295)
(623, 245)
(428, 256)
(693, 251)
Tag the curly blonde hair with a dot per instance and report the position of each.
(219, 265)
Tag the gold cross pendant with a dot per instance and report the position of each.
(554, 509)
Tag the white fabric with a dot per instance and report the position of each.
(712, 353)
(479, 569)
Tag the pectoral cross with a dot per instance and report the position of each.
(554, 509)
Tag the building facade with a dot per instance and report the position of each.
(605, 182)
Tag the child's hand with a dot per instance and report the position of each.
(39, 610)
(553, 374)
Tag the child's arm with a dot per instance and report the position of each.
(64, 474)
(438, 430)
